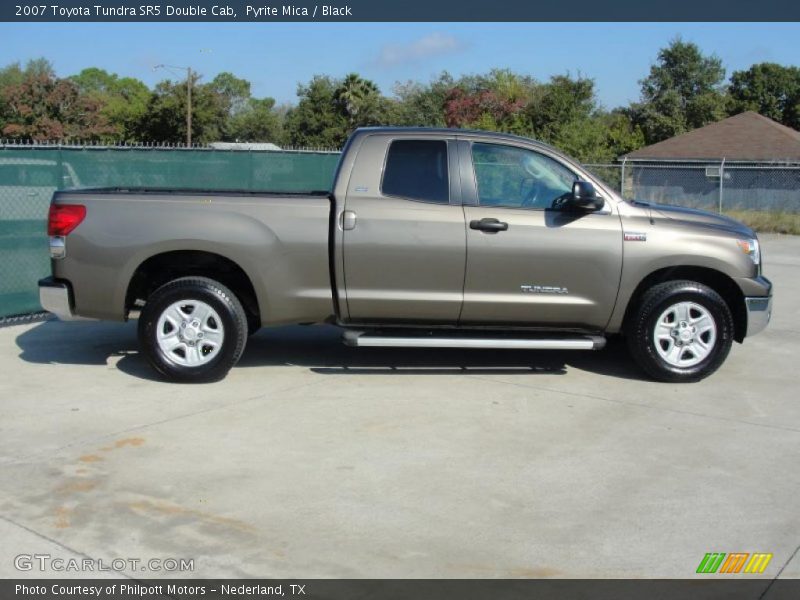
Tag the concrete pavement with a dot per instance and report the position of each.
(316, 460)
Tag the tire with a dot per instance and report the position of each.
(192, 330)
(681, 331)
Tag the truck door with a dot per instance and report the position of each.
(530, 263)
(404, 242)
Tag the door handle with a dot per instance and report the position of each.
(488, 225)
(348, 220)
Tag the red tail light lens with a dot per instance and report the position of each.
(63, 218)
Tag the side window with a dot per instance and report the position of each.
(417, 170)
(518, 178)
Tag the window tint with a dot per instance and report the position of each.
(518, 178)
(417, 170)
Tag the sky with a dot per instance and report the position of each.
(275, 57)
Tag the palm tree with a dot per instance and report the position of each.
(356, 96)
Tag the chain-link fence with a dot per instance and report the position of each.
(715, 186)
(30, 174)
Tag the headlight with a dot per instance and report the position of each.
(751, 248)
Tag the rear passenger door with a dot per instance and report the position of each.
(403, 232)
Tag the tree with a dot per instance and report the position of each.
(484, 109)
(42, 107)
(257, 122)
(14, 75)
(770, 89)
(359, 100)
(233, 91)
(165, 120)
(317, 120)
(683, 91)
(622, 135)
(493, 102)
(561, 102)
(124, 100)
(421, 105)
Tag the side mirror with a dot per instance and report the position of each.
(585, 197)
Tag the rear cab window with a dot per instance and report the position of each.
(417, 170)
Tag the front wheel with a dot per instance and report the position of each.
(681, 331)
(192, 329)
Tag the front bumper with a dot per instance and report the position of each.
(757, 293)
(759, 312)
(56, 297)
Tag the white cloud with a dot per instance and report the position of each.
(429, 46)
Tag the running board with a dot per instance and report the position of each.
(366, 340)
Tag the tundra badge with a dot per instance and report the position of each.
(635, 237)
(543, 289)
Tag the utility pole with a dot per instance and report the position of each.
(189, 107)
(188, 98)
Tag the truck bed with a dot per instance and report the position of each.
(278, 239)
(195, 192)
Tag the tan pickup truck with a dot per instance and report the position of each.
(429, 238)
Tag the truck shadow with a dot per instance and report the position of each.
(317, 348)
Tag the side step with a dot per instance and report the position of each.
(362, 339)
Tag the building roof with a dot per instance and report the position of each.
(243, 146)
(748, 136)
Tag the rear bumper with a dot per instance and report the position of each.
(56, 297)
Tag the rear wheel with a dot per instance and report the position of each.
(192, 329)
(681, 331)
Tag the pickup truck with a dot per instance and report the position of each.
(428, 238)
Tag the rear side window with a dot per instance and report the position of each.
(417, 170)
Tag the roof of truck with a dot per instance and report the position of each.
(455, 131)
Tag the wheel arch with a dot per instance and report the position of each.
(718, 281)
(160, 268)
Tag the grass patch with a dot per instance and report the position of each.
(768, 222)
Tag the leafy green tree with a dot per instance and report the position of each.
(561, 103)
(165, 120)
(622, 135)
(258, 121)
(317, 120)
(11, 75)
(359, 100)
(233, 91)
(770, 89)
(124, 100)
(421, 105)
(683, 91)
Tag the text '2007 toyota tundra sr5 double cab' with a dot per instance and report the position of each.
(429, 238)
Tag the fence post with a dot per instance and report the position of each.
(721, 180)
(622, 177)
(251, 168)
(60, 167)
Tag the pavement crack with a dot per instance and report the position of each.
(778, 575)
(53, 541)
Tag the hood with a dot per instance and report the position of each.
(698, 217)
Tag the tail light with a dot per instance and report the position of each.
(63, 218)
